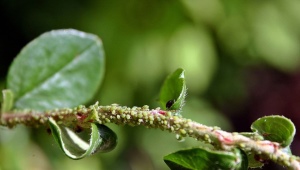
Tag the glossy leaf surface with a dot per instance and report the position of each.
(61, 68)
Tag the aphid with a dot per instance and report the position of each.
(78, 129)
(170, 103)
(48, 131)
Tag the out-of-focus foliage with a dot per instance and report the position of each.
(241, 61)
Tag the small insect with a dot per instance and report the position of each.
(49, 131)
(78, 129)
(170, 103)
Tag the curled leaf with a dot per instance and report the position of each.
(109, 139)
(275, 128)
(173, 91)
(102, 139)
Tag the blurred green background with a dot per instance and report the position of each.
(241, 59)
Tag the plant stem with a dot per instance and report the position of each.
(154, 118)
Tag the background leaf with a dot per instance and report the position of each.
(61, 68)
(198, 159)
(275, 128)
(102, 139)
(173, 91)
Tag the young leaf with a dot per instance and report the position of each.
(173, 91)
(275, 128)
(102, 139)
(254, 161)
(198, 159)
(8, 100)
(61, 68)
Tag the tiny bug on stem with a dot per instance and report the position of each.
(170, 103)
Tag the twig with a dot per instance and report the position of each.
(154, 118)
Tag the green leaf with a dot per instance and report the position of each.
(253, 161)
(61, 68)
(173, 91)
(102, 139)
(8, 100)
(199, 159)
(275, 128)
